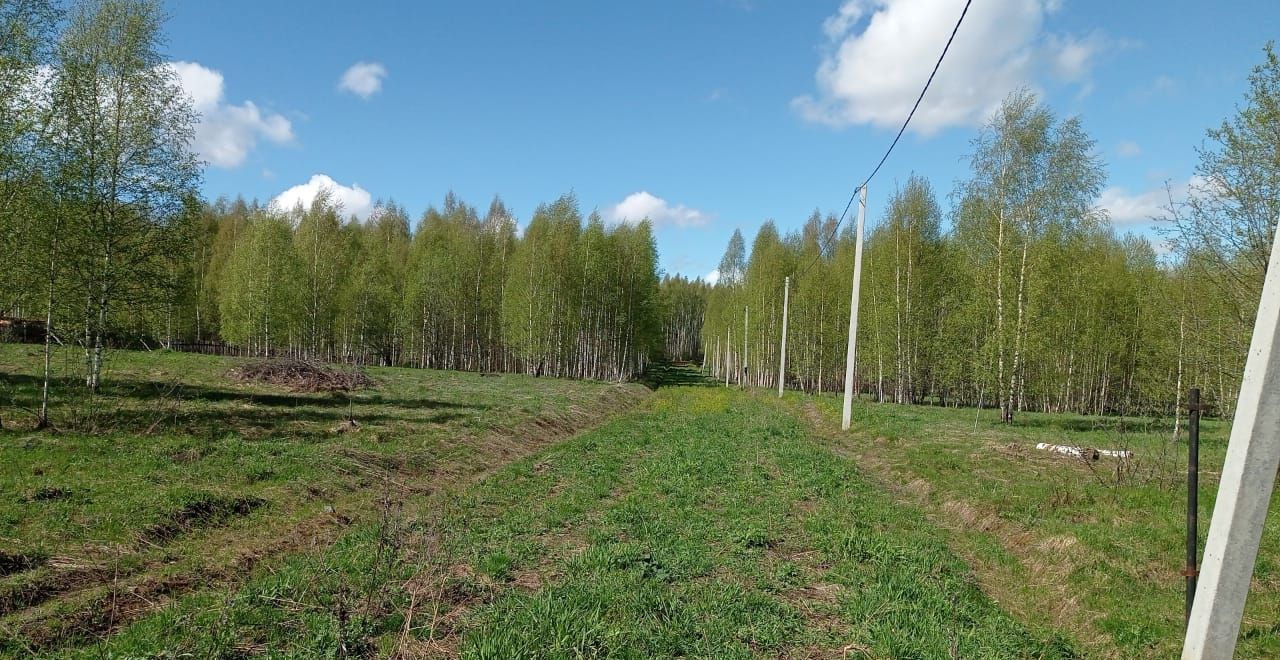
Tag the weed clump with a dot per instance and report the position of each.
(302, 376)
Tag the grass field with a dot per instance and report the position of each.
(176, 477)
(708, 523)
(185, 515)
(1095, 550)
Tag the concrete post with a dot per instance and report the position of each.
(852, 352)
(1244, 493)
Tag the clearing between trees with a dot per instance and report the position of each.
(462, 516)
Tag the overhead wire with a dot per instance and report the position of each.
(885, 157)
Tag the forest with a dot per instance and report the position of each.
(1011, 290)
(1022, 296)
(108, 243)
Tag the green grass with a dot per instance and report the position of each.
(1095, 551)
(176, 477)
(708, 523)
(182, 514)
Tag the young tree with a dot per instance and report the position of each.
(372, 296)
(1223, 231)
(903, 286)
(28, 227)
(1031, 174)
(733, 265)
(261, 307)
(320, 245)
(122, 160)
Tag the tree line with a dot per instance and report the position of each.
(106, 242)
(1027, 298)
(569, 297)
(1024, 299)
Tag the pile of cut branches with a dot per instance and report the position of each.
(303, 375)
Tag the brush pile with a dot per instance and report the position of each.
(303, 375)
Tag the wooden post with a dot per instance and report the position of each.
(852, 353)
(1244, 491)
(782, 359)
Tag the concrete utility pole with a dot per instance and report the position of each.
(782, 360)
(1244, 492)
(853, 315)
(746, 315)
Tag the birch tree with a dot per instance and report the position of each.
(1222, 232)
(1031, 173)
(261, 306)
(122, 160)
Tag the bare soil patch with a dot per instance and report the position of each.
(206, 511)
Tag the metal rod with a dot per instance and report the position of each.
(1193, 494)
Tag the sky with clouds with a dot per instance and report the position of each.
(704, 116)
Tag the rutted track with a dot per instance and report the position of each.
(70, 601)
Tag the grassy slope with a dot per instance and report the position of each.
(709, 523)
(1094, 552)
(177, 478)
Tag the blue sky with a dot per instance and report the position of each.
(707, 115)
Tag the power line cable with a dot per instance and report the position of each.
(893, 144)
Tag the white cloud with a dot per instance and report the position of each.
(712, 277)
(364, 79)
(1129, 149)
(1072, 57)
(879, 54)
(227, 133)
(835, 27)
(353, 199)
(641, 205)
(1125, 208)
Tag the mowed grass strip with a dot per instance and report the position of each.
(707, 523)
(176, 477)
(1094, 549)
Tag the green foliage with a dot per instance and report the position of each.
(1029, 300)
(1223, 232)
(120, 163)
(582, 302)
(322, 265)
(261, 306)
(683, 303)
